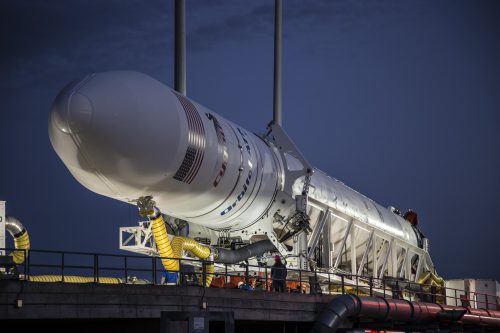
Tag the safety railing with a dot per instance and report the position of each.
(64, 266)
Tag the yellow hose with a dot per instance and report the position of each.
(210, 270)
(175, 249)
(22, 245)
(349, 290)
(163, 244)
(73, 279)
(188, 244)
(429, 279)
(165, 248)
(171, 252)
(180, 244)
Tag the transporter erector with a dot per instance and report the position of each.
(211, 182)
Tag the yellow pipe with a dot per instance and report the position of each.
(423, 277)
(163, 244)
(19, 255)
(180, 244)
(437, 279)
(210, 272)
(73, 279)
(171, 252)
(188, 244)
(22, 245)
(349, 290)
(430, 279)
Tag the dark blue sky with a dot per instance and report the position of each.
(398, 99)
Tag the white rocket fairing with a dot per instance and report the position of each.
(125, 135)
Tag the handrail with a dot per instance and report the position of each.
(324, 281)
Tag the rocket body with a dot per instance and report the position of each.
(125, 135)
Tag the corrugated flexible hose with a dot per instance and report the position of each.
(171, 252)
(74, 279)
(21, 239)
(22, 246)
(180, 244)
(226, 256)
(428, 280)
(163, 244)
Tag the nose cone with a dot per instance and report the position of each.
(70, 116)
(72, 111)
(117, 132)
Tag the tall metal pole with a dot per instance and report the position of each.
(180, 47)
(277, 62)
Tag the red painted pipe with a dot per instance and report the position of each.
(381, 309)
(481, 317)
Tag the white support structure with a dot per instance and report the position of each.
(343, 245)
(317, 231)
(138, 239)
(366, 254)
(357, 247)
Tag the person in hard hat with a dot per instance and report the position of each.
(278, 274)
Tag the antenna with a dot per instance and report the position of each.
(277, 62)
(180, 47)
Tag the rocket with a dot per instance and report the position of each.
(125, 135)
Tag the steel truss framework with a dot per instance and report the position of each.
(358, 248)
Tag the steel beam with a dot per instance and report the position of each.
(365, 255)
(318, 229)
(342, 246)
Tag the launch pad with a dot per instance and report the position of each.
(136, 308)
(125, 293)
(94, 303)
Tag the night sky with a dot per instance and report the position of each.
(398, 99)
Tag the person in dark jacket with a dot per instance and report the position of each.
(278, 275)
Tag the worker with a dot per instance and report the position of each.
(242, 285)
(169, 278)
(278, 274)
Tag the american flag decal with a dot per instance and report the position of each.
(196, 143)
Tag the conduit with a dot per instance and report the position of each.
(180, 244)
(74, 279)
(235, 256)
(430, 279)
(481, 317)
(343, 307)
(171, 252)
(21, 239)
(163, 244)
(22, 246)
